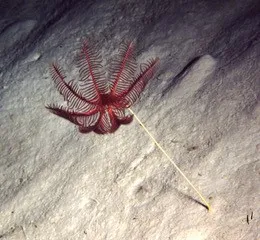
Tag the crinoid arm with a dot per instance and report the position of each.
(84, 119)
(123, 69)
(148, 70)
(70, 90)
(121, 117)
(86, 129)
(107, 123)
(126, 120)
(92, 80)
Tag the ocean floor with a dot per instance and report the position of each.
(202, 106)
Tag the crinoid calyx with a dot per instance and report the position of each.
(97, 103)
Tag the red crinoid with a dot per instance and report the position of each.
(96, 103)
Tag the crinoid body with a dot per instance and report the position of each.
(96, 103)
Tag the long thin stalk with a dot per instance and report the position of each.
(168, 157)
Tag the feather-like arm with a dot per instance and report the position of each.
(121, 117)
(123, 69)
(92, 78)
(85, 119)
(70, 90)
(126, 120)
(130, 95)
(86, 129)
